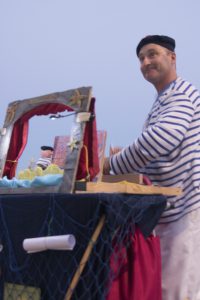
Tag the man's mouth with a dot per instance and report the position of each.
(149, 68)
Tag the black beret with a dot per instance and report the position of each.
(162, 40)
(46, 148)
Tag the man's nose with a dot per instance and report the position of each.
(146, 61)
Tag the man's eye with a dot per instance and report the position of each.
(153, 54)
(141, 59)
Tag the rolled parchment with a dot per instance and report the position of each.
(57, 242)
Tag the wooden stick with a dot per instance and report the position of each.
(85, 258)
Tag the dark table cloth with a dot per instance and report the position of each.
(26, 216)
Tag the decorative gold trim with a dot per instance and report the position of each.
(10, 114)
(73, 145)
(76, 99)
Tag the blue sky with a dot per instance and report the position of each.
(50, 46)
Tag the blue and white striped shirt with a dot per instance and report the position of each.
(168, 150)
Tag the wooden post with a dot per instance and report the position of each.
(85, 258)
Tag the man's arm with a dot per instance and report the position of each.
(159, 138)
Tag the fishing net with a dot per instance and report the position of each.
(102, 224)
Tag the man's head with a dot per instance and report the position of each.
(46, 151)
(157, 60)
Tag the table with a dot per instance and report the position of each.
(26, 216)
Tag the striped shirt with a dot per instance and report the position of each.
(168, 150)
(44, 162)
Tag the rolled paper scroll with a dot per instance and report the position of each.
(57, 242)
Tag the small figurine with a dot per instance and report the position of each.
(45, 157)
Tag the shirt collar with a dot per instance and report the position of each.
(167, 90)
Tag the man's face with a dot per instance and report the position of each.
(46, 153)
(157, 63)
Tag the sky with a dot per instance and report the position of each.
(51, 46)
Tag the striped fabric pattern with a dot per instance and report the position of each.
(43, 162)
(168, 150)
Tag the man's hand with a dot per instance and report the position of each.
(114, 150)
(106, 166)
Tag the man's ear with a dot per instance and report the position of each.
(173, 56)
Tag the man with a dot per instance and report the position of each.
(45, 157)
(168, 152)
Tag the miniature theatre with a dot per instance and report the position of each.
(82, 157)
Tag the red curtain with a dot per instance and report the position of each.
(20, 135)
(91, 143)
(139, 277)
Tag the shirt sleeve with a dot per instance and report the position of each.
(159, 138)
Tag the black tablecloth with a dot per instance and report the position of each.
(26, 216)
